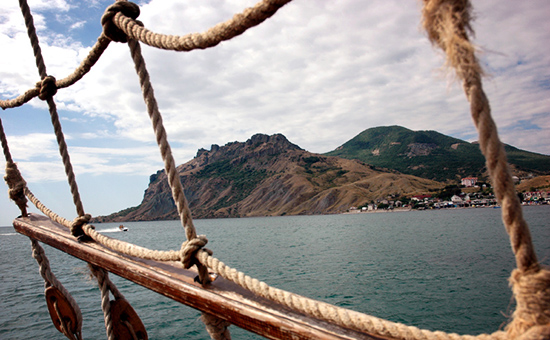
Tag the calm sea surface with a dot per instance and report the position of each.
(439, 270)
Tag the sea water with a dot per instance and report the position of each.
(439, 270)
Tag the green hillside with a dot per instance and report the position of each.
(430, 154)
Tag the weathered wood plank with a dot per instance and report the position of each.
(221, 298)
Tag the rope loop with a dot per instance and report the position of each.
(531, 319)
(78, 223)
(17, 186)
(110, 30)
(47, 87)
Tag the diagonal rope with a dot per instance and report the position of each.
(63, 150)
(223, 31)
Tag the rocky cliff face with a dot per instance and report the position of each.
(268, 176)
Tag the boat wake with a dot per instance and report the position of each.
(111, 230)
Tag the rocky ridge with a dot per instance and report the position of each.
(269, 176)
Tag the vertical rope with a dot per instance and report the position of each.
(448, 24)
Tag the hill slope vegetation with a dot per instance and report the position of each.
(432, 155)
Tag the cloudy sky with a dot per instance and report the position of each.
(319, 72)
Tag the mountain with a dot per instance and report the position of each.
(432, 155)
(269, 176)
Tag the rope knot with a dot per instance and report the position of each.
(47, 87)
(190, 248)
(17, 186)
(531, 319)
(110, 29)
(78, 223)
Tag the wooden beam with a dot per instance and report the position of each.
(222, 298)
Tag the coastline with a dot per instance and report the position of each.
(359, 211)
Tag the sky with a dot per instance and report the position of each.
(319, 72)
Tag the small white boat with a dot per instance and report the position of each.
(122, 228)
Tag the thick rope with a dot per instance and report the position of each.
(531, 319)
(221, 32)
(212, 37)
(65, 157)
(448, 24)
(105, 286)
(40, 206)
(50, 280)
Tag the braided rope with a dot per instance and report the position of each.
(212, 37)
(448, 24)
(193, 243)
(17, 186)
(63, 150)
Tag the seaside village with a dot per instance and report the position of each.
(470, 194)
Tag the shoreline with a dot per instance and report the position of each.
(358, 211)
